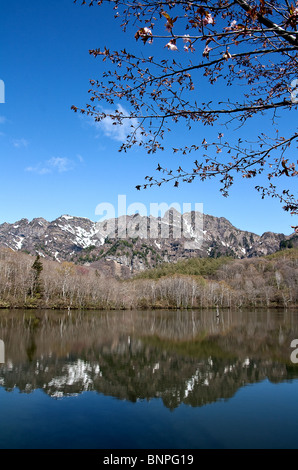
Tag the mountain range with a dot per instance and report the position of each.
(129, 244)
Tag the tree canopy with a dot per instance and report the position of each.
(220, 43)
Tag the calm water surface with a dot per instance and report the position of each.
(148, 380)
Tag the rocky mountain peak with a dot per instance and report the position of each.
(129, 244)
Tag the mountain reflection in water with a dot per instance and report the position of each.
(190, 357)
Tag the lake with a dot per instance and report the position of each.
(148, 380)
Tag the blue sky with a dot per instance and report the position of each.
(54, 161)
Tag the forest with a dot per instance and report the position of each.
(270, 281)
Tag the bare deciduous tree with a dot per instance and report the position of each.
(188, 48)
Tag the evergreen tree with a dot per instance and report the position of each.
(37, 268)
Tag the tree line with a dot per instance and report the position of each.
(271, 281)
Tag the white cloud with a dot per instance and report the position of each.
(18, 143)
(55, 164)
(38, 169)
(2, 119)
(117, 132)
(60, 164)
(80, 158)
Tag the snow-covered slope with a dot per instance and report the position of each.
(132, 243)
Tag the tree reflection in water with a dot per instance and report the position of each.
(191, 357)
